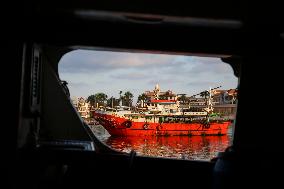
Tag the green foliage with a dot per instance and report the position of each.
(214, 114)
(182, 98)
(204, 94)
(142, 97)
(98, 98)
(148, 117)
(112, 102)
(127, 98)
(92, 100)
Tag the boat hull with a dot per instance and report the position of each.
(117, 126)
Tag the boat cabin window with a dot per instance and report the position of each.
(162, 105)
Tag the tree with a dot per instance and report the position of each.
(143, 98)
(101, 98)
(92, 100)
(128, 98)
(120, 97)
(182, 98)
(112, 102)
(204, 94)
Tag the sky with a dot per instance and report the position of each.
(88, 72)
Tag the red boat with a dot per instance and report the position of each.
(163, 118)
(127, 126)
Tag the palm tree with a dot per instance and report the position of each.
(120, 98)
(128, 97)
(204, 94)
(92, 100)
(112, 102)
(101, 98)
(143, 97)
(182, 98)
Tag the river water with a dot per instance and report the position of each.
(181, 147)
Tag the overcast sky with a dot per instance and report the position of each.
(89, 72)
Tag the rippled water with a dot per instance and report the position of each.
(181, 147)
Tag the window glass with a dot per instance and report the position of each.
(159, 105)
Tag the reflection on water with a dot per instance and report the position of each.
(182, 147)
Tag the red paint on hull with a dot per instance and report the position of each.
(117, 126)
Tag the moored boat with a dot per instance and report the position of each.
(121, 121)
(133, 125)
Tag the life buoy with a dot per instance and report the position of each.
(159, 127)
(146, 126)
(128, 124)
(206, 125)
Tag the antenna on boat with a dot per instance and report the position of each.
(210, 103)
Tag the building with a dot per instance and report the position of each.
(159, 101)
(224, 102)
(157, 94)
(225, 96)
(82, 107)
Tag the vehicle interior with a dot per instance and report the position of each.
(53, 148)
